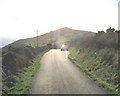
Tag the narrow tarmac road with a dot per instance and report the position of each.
(57, 75)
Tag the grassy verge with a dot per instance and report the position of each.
(90, 65)
(24, 80)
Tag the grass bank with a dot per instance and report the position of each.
(24, 80)
(104, 74)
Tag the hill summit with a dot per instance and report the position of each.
(58, 36)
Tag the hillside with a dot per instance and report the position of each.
(58, 36)
(94, 53)
(21, 54)
(97, 55)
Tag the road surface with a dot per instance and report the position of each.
(57, 75)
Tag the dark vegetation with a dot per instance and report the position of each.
(25, 79)
(15, 60)
(97, 55)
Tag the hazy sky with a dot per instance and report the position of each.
(20, 18)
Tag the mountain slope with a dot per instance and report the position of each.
(97, 55)
(58, 37)
(19, 55)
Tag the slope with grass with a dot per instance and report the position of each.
(24, 79)
(18, 57)
(97, 55)
(14, 62)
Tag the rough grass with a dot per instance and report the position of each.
(24, 80)
(40, 43)
(96, 69)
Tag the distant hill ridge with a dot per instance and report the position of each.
(57, 36)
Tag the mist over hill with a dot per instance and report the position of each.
(6, 41)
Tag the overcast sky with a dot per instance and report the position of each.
(20, 18)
